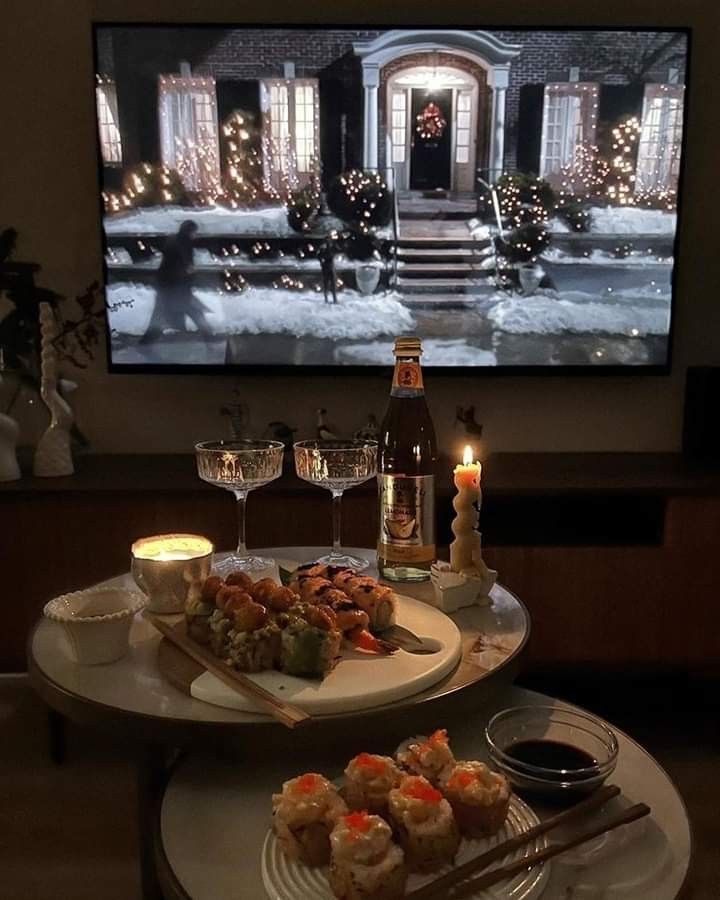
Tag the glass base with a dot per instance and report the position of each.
(253, 565)
(343, 561)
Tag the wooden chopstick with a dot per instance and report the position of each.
(435, 888)
(284, 712)
(589, 804)
(487, 879)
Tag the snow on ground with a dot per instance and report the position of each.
(601, 258)
(625, 220)
(205, 259)
(579, 313)
(269, 221)
(271, 311)
(436, 352)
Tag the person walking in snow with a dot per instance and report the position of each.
(174, 298)
(326, 254)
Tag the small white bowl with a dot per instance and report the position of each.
(96, 621)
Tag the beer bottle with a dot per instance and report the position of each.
(407, 456)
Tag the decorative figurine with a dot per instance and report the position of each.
(465, 415)
(239, 415)
(280, 431)
(370, 431)
(325, 431)
(9, 432)
(53, 456)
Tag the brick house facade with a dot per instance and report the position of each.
(619, 63)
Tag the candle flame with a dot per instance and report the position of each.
(467, 455)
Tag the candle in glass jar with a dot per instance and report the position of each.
(171, 568)
(467, 506)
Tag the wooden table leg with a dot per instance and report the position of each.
(152, 772)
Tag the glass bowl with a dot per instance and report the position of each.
(567, 782)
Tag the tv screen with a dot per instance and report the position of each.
(297, 197)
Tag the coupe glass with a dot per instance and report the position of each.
(337, 465)
(240, 467)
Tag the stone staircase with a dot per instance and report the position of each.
(439, 263)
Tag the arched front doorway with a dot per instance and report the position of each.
(465, 75)
(432, 123)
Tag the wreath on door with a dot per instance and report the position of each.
(430, 123)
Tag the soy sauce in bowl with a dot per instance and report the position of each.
(556, 755)
(551, 754)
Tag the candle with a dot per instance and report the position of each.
(171, 568)
(464, 550)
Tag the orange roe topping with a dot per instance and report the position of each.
(438, 737)
(358, 821)
(419, 788)
(306, 784)
(461, 779)
(371, 763)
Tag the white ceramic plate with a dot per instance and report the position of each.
(287, 879)
(360, 680)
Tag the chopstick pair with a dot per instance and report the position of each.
(290, 715)
(457, 883)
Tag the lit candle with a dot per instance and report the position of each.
(466, 503)
(171, 568)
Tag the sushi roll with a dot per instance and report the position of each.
(365, 864)
(253, 641)
(368, 781)
(310, 641)
(424, 824)
(377, 600)
(199, 608)
(430, 757)
(479, 798)
(304, 814)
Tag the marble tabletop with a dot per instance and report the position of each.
(216, 812)
(134, 690)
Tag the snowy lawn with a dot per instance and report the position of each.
(625, 220)
(270, 221)
(436, 352)
(271, 311)
(578, 313)
(601, 258)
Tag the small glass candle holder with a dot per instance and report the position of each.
(170, 569)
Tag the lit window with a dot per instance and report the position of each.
(290, 131)
(463, 122)
(660, 144)
(398, 122)
(569, 121)
(189, 131)
(108, 122)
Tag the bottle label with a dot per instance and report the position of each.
(407, 518)
(408, 375)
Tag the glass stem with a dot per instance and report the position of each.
(241, 497)
(337, 522)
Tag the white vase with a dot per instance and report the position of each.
(367, 278)
(53, 456)
(530, 276)
(9, 431)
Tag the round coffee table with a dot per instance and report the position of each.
(215, 814)
(135, 701)
(133, 692)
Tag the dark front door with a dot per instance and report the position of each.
(431, 139)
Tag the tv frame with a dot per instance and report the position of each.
(385, 371)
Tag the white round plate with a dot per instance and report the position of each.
(287, 879)
(360, 680)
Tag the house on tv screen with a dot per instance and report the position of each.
(258, 112)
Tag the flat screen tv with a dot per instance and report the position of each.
(279, 198)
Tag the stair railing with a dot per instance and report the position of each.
(498, 219)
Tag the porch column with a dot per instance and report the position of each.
(371, 80)
(501, 79)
